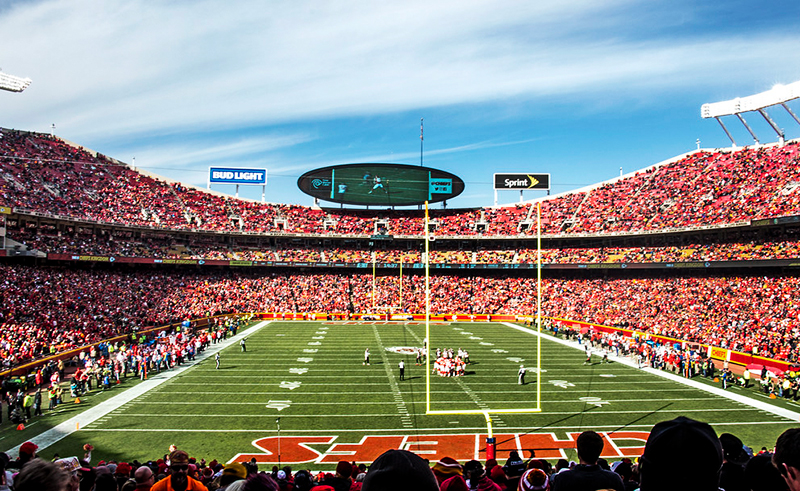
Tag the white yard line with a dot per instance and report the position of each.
(53, 435)
(594, 412)
(404, 431)
(469, 392)
(763, 406)
(402, 408)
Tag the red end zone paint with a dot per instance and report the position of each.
(293, 449)
(322, 450)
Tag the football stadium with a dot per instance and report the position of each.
(156, 333)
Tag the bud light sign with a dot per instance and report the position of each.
(225, 175)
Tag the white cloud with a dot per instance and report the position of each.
(188, 161)
(143, 67)
(406, 156)
(192, 154)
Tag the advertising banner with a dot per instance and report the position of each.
(521, 181)
(229, 175)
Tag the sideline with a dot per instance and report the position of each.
(763, 406)
(66, 428)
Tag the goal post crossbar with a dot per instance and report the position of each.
(485, 411)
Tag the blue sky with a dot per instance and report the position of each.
(576, 89)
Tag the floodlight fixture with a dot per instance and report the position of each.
(778, 95)
(12, 83)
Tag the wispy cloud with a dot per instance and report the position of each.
(140, 67)
(182, 85)
(401, 157)
(195, 153)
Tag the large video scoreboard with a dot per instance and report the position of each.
(380, 184)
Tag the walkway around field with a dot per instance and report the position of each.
(58, 432)
(763, 406)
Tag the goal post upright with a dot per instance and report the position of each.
(401, 283)
(374, 293)
(539, 304)
(427, 317)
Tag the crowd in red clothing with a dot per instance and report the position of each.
(122, 242)
(46, 175)
(45, 310)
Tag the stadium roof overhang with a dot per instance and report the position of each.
(778, 95)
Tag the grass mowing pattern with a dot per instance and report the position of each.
(313, 373)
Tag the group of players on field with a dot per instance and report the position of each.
(449, 363)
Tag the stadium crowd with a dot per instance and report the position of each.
(44, 310)
(47, 310)
(686, 359)
(718, 462)
(83, 241)
(107, 364)
(45, 175)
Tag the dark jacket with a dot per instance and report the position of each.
(338, 484)
(586, 478)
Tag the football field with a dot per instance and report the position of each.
(301, 395)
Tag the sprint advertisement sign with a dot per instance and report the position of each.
(521, 181)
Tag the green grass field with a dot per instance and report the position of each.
(331, 406)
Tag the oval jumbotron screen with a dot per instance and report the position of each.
(380, 184)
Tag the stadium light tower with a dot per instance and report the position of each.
(12, 83)
(776, 96)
